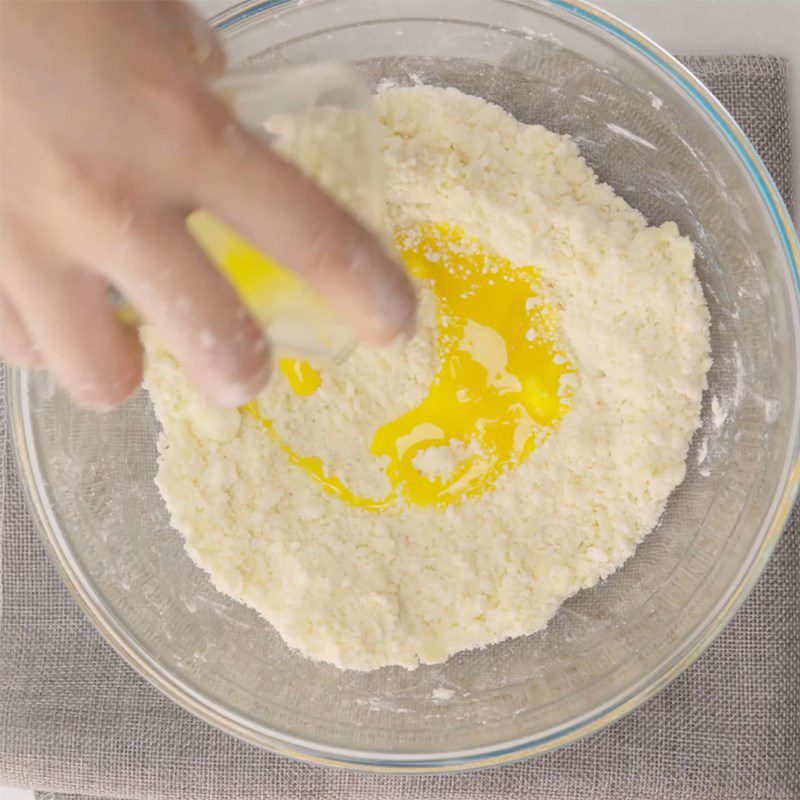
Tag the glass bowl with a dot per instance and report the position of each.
(656, 134)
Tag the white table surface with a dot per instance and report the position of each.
(702, 27)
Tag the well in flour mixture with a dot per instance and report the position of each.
(314, 505)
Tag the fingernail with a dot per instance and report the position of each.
(233, 393)
(406, 335)
(202, 40)
(397, 311)
(395, 301)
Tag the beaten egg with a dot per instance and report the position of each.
(498, 390)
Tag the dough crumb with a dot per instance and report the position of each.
(439, 463)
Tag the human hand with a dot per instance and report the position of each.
(110, 136)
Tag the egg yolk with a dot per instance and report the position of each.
(498, 390)
(302, 377)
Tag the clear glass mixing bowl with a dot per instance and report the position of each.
(657, 136)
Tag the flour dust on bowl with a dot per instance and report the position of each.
(654, 134)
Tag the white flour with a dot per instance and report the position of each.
(362, 589)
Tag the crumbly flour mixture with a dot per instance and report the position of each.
(362, 588)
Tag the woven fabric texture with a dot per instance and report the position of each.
(74, 718)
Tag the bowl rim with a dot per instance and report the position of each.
(688, 650)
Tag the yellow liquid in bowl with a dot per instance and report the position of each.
(497, 388)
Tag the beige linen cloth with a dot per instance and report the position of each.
(74, 718)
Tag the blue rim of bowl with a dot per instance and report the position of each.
(689, 650)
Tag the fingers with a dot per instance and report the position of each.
(67, 313)
(16, 344)
(194, 309)
(89, 177)
(268, 201)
